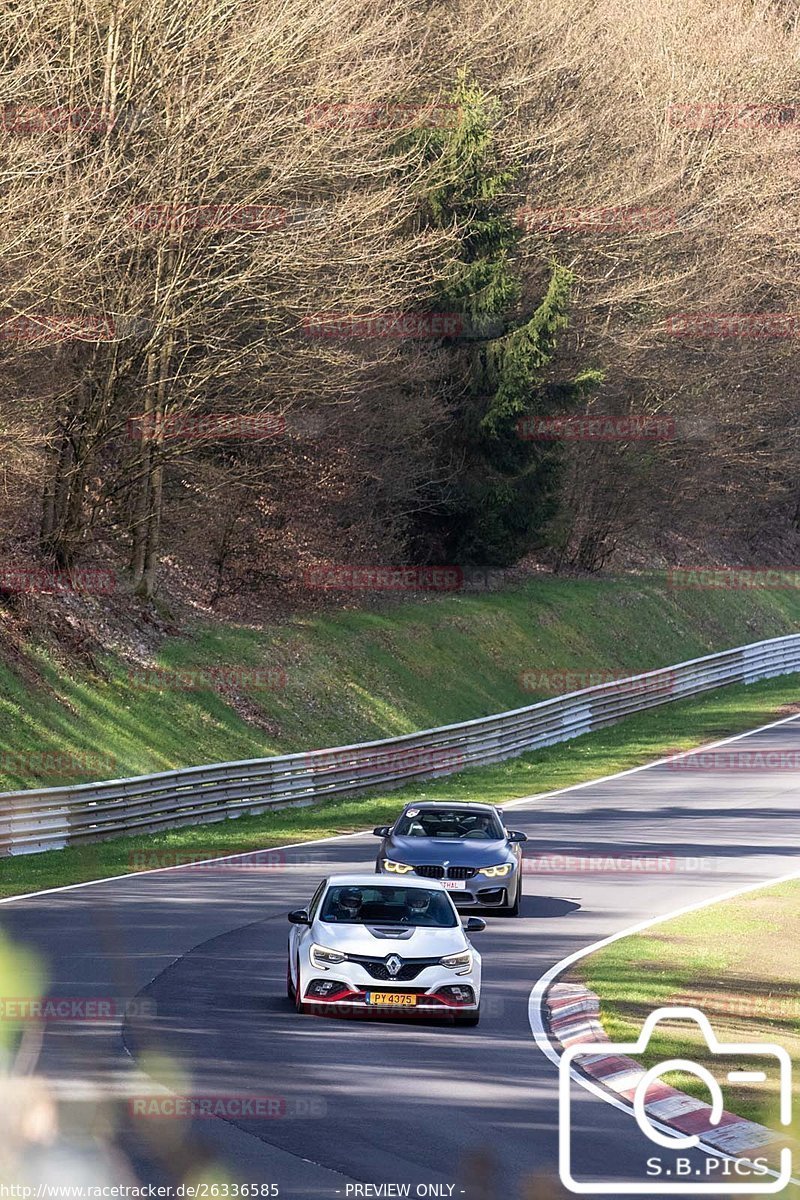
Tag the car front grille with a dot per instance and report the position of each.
(409, 970)
(437, 872)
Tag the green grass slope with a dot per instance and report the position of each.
(352, 676)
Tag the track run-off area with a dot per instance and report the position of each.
(191, 961)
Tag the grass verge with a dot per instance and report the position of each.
(679, 725)
(739, 963)
(354, 676)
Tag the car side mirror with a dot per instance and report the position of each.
(300, 917)
(382, 830)
(514, 835)
(474, 924)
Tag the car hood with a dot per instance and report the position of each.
(382, 939)
(456, 852)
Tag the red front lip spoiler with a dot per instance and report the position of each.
(358, 999)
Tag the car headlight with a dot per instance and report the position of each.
(396, 868)
(322, 957)
(461, 962)
(498, 870)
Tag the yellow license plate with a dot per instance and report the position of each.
(395, 999)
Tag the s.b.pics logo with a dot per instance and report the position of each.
(702, 1149)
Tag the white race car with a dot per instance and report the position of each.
(370, 945)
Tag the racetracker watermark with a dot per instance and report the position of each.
(36, 118)
(738, 760)
(733, 325)
(407, 759)
(228, 1107)
(218, 859)
(89, 581)
(268, 679)
(382, 115)
(602, 427)
(558, 681)
(734, 115)
(43, 328)
(616, 864)
(486, 579)
(739, 1004)
(46, 1009)
(602, 219)
(89, 764)
(174, 427)
(359, 1011)
(733, 579)
(384, 579)
(339, 325)
(250, 218)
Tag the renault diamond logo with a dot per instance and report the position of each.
(393, 965)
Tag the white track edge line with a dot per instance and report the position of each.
(657, 762)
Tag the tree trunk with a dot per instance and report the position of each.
(151, 497)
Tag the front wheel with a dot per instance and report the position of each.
(513, 909)
(296, 992)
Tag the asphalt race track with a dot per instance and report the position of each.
(202, 952)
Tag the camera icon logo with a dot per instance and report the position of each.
(687, 1179)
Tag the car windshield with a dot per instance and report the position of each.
(450, 823)
(393, 905)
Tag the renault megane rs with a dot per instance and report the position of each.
(379, 945)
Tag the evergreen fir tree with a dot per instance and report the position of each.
(502, 488)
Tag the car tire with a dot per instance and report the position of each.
(468, 1019)
(289, 984)
(298, 1003)
(513, 909)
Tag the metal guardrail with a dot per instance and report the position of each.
(51, 818)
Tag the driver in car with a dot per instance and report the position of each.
(418, 903)
(348, 905)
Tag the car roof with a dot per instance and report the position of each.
(372, 880)
(434, 804)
